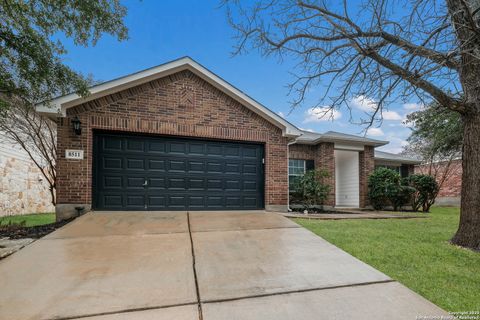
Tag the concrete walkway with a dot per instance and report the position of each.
(197, 265)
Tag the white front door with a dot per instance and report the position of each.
(347, 179)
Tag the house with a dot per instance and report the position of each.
(451, 173)
(178, 137)
(23, 188)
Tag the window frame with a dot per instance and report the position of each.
(290, 189)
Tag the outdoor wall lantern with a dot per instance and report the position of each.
(76, 123)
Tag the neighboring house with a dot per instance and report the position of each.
(23, 188)
(178, 137)
(451, 189)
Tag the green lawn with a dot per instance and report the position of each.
(31, 220)
(416, 252)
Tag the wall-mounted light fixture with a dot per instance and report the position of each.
(76, 123)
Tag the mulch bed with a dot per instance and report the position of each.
(17, 231)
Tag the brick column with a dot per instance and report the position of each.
(366, 165)
(325, 159)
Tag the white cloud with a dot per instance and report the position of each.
(412, 106)
(363, 103)
(369, 105)
(321, 114)
(395, 146)
(375, 132)
(281, 114)
(391, 115)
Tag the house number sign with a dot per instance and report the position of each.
(74, 154)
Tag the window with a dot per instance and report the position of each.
(394, 168)
(296, 169)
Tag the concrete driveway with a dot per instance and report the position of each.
(197, 265)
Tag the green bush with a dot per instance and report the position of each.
(310, 189)
(425, 191)
(386, 187)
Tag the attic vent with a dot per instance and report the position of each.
(186, 99)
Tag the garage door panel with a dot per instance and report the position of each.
(113, 200)
(249, 169)
(135, 164)
(157, 201)
(112, 144)
(112, 163)
(112, 182)
(196, 166)
(156, 147)
(233, 168)
(156, 165)
(134, 145)
(214, 167)
(196, 149)
(177, 202)
(156, 183)
(135, 183)
(177, 166)
(135, 200)
(163, 173)
(177, 147)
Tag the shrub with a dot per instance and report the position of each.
(425, 191)
(310, 189)
(385, 186)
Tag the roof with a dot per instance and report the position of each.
(58, 106)
(309, 137)
(392, 157)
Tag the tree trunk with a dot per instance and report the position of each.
(468, 234)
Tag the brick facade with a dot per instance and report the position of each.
(367, 166)
(181, 104)
(451, 189)
(324, 158)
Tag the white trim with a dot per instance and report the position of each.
(351, 147)
(58, 106)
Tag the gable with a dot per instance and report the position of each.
(182, 98)
(58, 107)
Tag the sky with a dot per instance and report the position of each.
(161, 31)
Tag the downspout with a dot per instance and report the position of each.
(288, 183)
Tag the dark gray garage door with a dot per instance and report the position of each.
(133, 172)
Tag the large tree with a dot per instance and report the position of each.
(31, 49)
(32, 70)
(382, 50)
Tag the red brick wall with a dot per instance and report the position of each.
(181, 105)
(367, 165)
(325, 160)
(452, 185)
(323, 157)
(301, 151)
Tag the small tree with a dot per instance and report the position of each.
(425, 191)
(36, 135)
(311, 190)
(437, 139)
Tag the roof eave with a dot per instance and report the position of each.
(403, 161)
(375, 143)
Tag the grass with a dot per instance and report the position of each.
(416, 252)
(36, 219)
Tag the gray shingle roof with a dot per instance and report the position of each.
(308, 137)
(382, 155)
